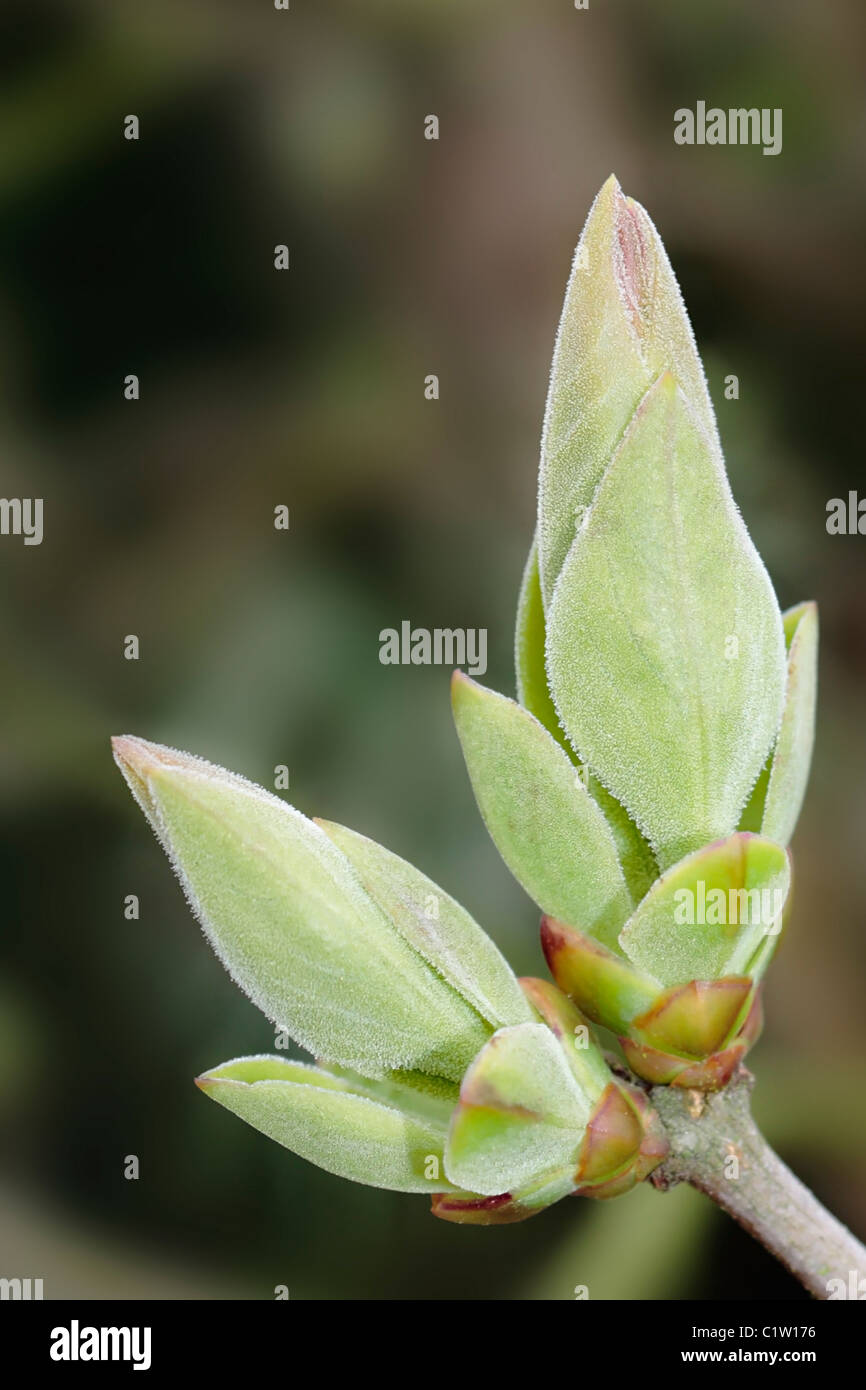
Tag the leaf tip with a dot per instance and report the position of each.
(140, 760)
(463, 687)
(137, 760)
(130, 751)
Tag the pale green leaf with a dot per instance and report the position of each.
(623, 323)
(288, 916)
(637, 860)
(666, 653)
(546, 826)
(521, 1114)
(706, 917)
(638, 864)
(792, 758)
(436, 926)
(345, 1129)
(796, 735)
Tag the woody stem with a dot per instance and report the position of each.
(717, 1148)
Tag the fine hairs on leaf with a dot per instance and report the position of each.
(342, 1127)
(666, 652)
(623, 324)
(292, 922)
(542, 819)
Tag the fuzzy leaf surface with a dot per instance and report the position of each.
(327, 1121)
(542, 819)
(436, 926)
(521, 1114)
(661, 940)
(288, 916)
(623, 324)
(666, 652)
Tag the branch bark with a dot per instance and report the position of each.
(717, 1148)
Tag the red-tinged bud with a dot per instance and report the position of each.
(541, 1116)
(698, 1018)
(709, 1073)
(693, 1034)
(465, 1210)
(603, 985)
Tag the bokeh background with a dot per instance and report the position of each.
(260, 647)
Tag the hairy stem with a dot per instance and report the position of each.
(717, 1148)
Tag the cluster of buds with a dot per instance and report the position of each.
(643, 789)
(646, 786)
(439, 1071)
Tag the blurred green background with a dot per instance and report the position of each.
(260, 647)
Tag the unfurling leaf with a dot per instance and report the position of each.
(542, 819)
(540, 1115)
(666, 651)
(792, 758)
(706, 916)
(638, 865)
(623, 324)
(343, 1126)
(521, 1114)
(436, 926)
(681, 987)
(289, 917)
(365, 961)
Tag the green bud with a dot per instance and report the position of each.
(548, 829)
(291, 919)
(706, 917)
(651, 650)
(680, 987)
(623, 324)
(435, 926)
(367, 963)
(540, 1117)
(665, 647)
